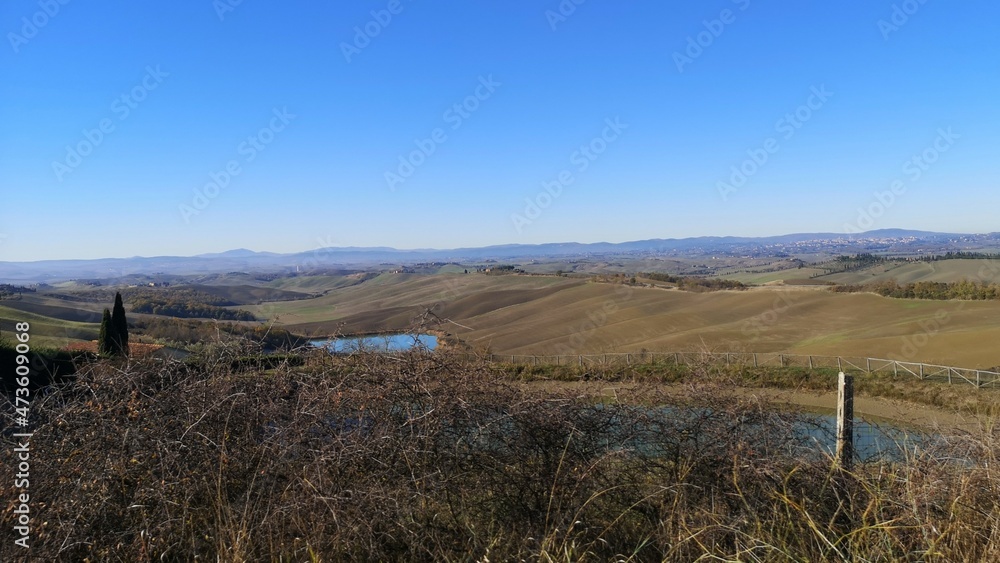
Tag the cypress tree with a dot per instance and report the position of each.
(104, 346)
(120, 325)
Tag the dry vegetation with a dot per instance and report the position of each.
(424, 457)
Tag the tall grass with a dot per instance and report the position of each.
(422, 457)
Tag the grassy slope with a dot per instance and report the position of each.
(767, 277)
(46, 330)
(941, 271)
(315, 284)
(399, 295)
(546, 315)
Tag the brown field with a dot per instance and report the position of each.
(545, 315)
(550, 315)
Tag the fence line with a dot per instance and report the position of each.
(976, 377)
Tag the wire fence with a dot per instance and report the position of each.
(847, 364)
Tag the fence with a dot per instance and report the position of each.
(976, 377)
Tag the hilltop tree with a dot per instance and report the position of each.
(104, 346)
(119, 336)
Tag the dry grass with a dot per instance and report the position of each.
(422, 457)
(136, 349)
(542, 315)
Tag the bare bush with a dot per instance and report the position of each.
(422, 456)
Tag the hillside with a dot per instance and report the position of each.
(547, 315)
(536, 314)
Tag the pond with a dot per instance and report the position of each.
(378, 343)
(872, 441)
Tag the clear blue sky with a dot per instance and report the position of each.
(200, 79)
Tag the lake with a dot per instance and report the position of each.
(377, 343)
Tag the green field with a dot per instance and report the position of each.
(770, 277)
(46, 330)
(940, 271)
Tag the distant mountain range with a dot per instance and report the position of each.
(243, 260)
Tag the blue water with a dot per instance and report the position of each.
(378, 343)
(871, 441)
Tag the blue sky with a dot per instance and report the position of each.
(285, 126)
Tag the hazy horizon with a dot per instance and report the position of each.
(193, 128)
(439, 249)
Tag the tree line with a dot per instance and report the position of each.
(694, 283)
(181, 333)
(189, 309)
(961, 255)
(965, 289)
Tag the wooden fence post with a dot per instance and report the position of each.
(845, 420)
(810, 362)
(868, 365)
(839, 367)
(755, 360)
